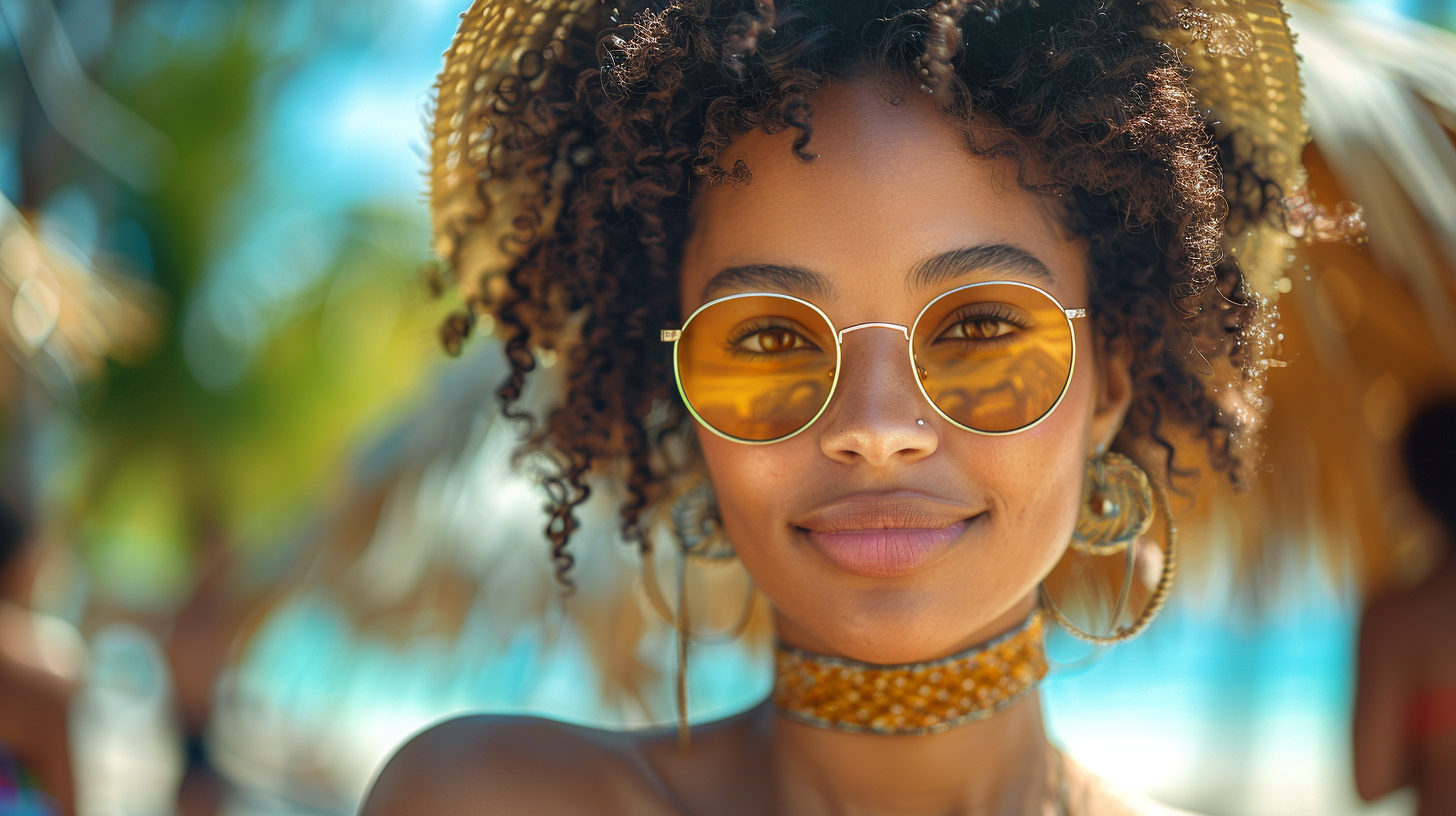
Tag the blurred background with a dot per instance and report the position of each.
(271, 530)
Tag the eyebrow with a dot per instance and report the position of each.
(791, 280)
(947, 266)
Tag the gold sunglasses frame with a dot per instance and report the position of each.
(674, 335)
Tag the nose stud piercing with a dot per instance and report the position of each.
(919, 422)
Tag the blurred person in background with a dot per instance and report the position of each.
(35, 760)
(1405, 704)
(203, 631)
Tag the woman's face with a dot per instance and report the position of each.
(878, 537)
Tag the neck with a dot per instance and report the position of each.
(1001, 764)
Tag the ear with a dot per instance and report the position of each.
(1113, 364)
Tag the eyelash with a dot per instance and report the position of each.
(749, 329)
(990, 311)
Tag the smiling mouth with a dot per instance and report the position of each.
(885, 536)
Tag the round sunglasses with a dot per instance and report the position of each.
(994, 358)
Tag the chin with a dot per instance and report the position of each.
(896, 623)
(894, 645)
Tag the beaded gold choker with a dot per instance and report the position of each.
(913, 698)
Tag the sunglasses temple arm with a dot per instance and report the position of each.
(671, 335)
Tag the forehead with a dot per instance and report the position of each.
(891, 186)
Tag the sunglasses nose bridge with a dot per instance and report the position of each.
(905, 330)
(898, 327)
(902, 329)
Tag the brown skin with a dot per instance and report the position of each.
(34, 712)
(1407, 648)
(34, 699)
(892, 186)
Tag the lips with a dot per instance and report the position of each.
(883, 535)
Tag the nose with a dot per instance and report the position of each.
(877, 413)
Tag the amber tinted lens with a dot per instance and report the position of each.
(756, 367)
(994, 357)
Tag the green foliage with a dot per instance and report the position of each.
(154, 460)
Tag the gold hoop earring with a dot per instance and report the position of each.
(691, 511)
(1117, 506)
(696, 524)
(692, 514)
(680, 670)
(1116, 510)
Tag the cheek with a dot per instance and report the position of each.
(1036, 476)
(756, 486)
(748, 481)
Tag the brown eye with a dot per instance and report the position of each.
(769, 341)
(981, 328)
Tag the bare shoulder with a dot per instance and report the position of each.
(46, 695)
(1090, 794)
(1390, 627)
(492, 764)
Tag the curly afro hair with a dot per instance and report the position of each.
(621, 122)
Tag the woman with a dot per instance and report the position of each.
(1025, 196)
(1405, 695)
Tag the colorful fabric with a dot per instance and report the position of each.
(1433, 713)
(20, 793)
